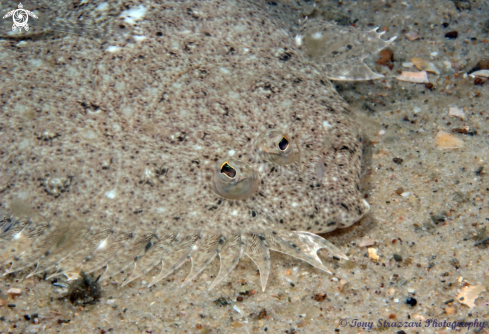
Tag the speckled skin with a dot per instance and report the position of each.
(128, 140)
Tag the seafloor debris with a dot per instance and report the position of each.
(412, 36)
(445, 140)
(365, 242)
(416, 77)
(456, 112)
(85, 290)
(372, 253)
(14, 291)
(480, 73)
(424, 65)
(386, 57)
(468, 294)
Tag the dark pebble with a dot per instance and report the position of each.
(478, 171)
(221, 301)
(411, 301)
(2, 319)
(451, 34)
(319, 297)
(239, 298)
(397, 257)
(400, 332)
(479, 81)
(398, 160)
(11, 305)
(27, 317)
(449, 301)
(262, 314)
(454, 262)
(465, 131)
(445, 24)
(429, 86)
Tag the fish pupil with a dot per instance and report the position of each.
(283, 144)
(228, 170)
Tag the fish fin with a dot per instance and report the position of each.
(340, 51)
(203, 255)
(257, 249)
(128, 253)
(303, 246)
(179, 254)
(229, 257)
(152, 257)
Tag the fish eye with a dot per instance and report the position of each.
(234, 179)
(276, 147)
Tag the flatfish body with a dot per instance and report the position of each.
(203, 129)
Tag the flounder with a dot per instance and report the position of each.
(203, 130)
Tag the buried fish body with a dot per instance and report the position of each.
(219, 136)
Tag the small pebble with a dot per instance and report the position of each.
(456, 112)
(412, 36)
(365, 242)
(416, 77)
(397, 257)
(14, 291)
(400, 191)
(411, 301)
(424, 65)
(398, 160)
(445, 140)
(451, 34)
(372, 253)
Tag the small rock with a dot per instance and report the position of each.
(411, 301)
(469, 294)
(372, 253)
(429, 86)
(386, 57)
(319, 297)
(14, 291)
(412, 36)
(221, 301)
(263, 314)
(397, 257)
(416, 77)
(451, 34)
(400, 191)
(465, 130)
(424, 65)
(398, 160)
(445, 140)
(454, 262)
(456, 112)
(366, 242)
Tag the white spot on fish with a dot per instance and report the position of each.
(102, 245)
(113, 48)
(298, 40)
(317, 35)
(326, 125)
(110, 194)
(134, 14)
